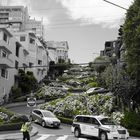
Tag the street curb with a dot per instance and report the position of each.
(10, 105)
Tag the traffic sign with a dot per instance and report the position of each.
(31, 102)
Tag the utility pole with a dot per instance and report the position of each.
(115, 5)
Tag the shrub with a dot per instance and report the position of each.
(131, 120)
(65, 120)
(18, 118)
(16, 92)
(135, 133)
(10, 126)
(6, 111)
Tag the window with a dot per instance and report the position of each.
(22, 38)
(86, 120)
(78, 119)
(94, 121)
(31, 64)
(39, 62)
(32, 41)
(16, 64)
(4, 73)
(5, 37)
(17, 49)
(4, 54)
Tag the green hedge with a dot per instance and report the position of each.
(10, 126)
(134, 133)
(65, 120)
(131, 121)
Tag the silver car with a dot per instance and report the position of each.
(45, 118)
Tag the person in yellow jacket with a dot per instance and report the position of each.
(25, 129)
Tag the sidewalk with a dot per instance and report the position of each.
(16, 135)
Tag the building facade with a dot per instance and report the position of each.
(14, 17)
(58, 51)
(17, 19)
(38, 55)
(12, 56)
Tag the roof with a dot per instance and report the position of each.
(99, 117)
(7, 31)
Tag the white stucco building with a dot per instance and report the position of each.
(38, 55)
(58, 51)
(12, 56)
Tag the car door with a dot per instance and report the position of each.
(37, 116)
(94, 127)
(86, 125)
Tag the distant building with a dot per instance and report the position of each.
(58, 51)
(17, 19)
(13, 17)
(35, 26)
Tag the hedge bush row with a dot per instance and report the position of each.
(10, 126)
(65, 120)
(134, 133)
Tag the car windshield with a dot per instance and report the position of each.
(107, 121)
(49, 114)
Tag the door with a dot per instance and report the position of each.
(94, 127)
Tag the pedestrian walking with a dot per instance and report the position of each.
(25, 129)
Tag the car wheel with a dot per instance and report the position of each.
(43, 123)
(103, 136)
(77, 132)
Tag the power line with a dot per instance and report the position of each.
(115, 5)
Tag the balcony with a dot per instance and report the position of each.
(5, 62)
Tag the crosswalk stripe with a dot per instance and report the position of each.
(43, 137)
(62, 138)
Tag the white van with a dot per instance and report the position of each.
(98, 126)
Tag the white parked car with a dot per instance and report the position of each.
(45, 118)
(98, 126)
(96, 90)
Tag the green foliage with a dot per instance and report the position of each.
(134, 133)
(4, 110)
(10, 126)
(15, 92)
(65, 120)
(1, 121)
(27, 81)
(18, 118)
(131, 120)
(92, 84)
(131, 37)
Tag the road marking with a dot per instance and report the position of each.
(43, 137)
(62, 138)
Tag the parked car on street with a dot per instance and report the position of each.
(45, 118)
(96, 90)
(98, 126)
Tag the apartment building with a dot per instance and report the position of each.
(12, 56)
(58, 51)
(38, 58)
(35, 26)
(17, 19)
(14, 17)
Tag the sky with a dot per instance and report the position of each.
(85, 24)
